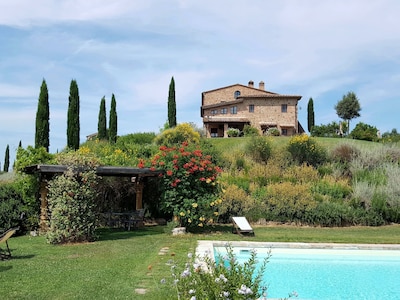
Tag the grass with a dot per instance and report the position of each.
(238, 143)
(121, 262)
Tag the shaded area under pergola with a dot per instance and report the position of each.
(47, 172)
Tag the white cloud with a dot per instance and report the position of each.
(319, 49)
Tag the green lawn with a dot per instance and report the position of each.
(121, 262)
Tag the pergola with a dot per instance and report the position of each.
(47, 172)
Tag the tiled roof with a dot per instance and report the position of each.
(271, 96)
(241, 85)
(212, 119)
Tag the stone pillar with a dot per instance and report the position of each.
(226, 130)
(44, 217)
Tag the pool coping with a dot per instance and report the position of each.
(205, 248)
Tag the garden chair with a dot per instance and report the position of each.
(241, 226)
(4, 254)
(135, 219)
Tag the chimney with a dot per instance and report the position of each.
(251, 83)
(261, 85)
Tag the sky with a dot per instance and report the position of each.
(130, 48)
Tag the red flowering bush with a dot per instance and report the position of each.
(189, 183)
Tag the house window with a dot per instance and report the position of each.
(237, 94)
(251, 108)
(284, 108)
(284, 131)
(224, 111)
(214, 112)
(234, 110)
(214, 132)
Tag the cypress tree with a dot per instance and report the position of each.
(102, 123)
(310, 114)
(7, 159)
(42, 119)
(73, 129)
(112, 129)
(171, 104)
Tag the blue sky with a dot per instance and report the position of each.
(313, 48)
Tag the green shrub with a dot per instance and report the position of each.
(329, 214)
(273, 132)
(71, 203)
(304, 149)
(364, 132)
(259, 148)
(250, 131)
(139, 138)
(329, 130)
(333, 190)
(233, 132)
(235, 202)
(189, 184)
(175, 136)
(300, 174)
(32, 156)
(11, 206)
(289, 202)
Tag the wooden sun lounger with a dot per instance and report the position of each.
(241, 226)
(4, 254)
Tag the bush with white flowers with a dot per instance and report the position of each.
(201, 278)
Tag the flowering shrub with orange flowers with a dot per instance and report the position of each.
(190, 187)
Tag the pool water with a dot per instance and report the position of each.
(328, 273)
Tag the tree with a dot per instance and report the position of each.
(171, 104)
(73, 129)
(7, 159)
(42, 119)
(348, 108)
(102, 124)
(310, 114)
(112, 129)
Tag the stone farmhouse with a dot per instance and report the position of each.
(238, 105)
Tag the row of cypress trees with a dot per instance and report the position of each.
(42, 130)
(102, 133)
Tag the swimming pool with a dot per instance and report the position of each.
(324, 271)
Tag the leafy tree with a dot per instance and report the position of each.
(73, 128)
(7, 159)
(310, 114)
(171, 104)
(348, 108)
(102, 124)
(42, 119)
(113, 121)
(328, 130)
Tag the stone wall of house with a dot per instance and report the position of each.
(228, 94)
(267, 110)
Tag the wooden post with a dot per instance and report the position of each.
(139, 194)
